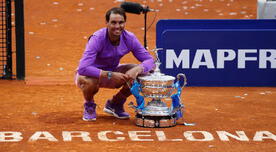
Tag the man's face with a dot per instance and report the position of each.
(115, 25)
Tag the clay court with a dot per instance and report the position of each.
(44, 112)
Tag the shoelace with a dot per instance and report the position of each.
(89, 108)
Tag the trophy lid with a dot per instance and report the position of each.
(157, 77)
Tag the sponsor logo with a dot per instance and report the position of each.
(262, 58)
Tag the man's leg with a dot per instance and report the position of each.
(115, 106)
(89, 87)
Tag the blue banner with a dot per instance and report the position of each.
(217, 55)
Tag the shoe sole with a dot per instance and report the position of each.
(94, 119)
(114, 114)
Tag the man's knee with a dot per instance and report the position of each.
(88, 83)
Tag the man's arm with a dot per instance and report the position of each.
(147, 61)
(86, 67)
(133, 73)
(117, 77)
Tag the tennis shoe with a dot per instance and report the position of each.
(117, 110)
(89, 113)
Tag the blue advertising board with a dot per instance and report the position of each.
(219, 52)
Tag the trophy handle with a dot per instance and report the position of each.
(176, 100)
(184, 79)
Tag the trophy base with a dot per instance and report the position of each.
(155, 121)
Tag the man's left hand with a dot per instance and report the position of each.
(133, 73)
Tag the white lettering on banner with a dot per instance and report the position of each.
(223, 135)
(203, 58)
(172, 58)
(68, 135)
(242, 57)
(42, 135)
(221, 58)
(265, 58)
(103, 136)
(10, 136)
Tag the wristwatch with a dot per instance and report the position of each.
(109, 75)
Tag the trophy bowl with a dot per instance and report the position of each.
(156, 86)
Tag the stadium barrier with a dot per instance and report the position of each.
(12, 49)
(219, 52)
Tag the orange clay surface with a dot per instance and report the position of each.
(47, 104)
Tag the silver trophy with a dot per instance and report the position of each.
(152, 92)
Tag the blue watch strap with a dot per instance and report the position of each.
(109, 75)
